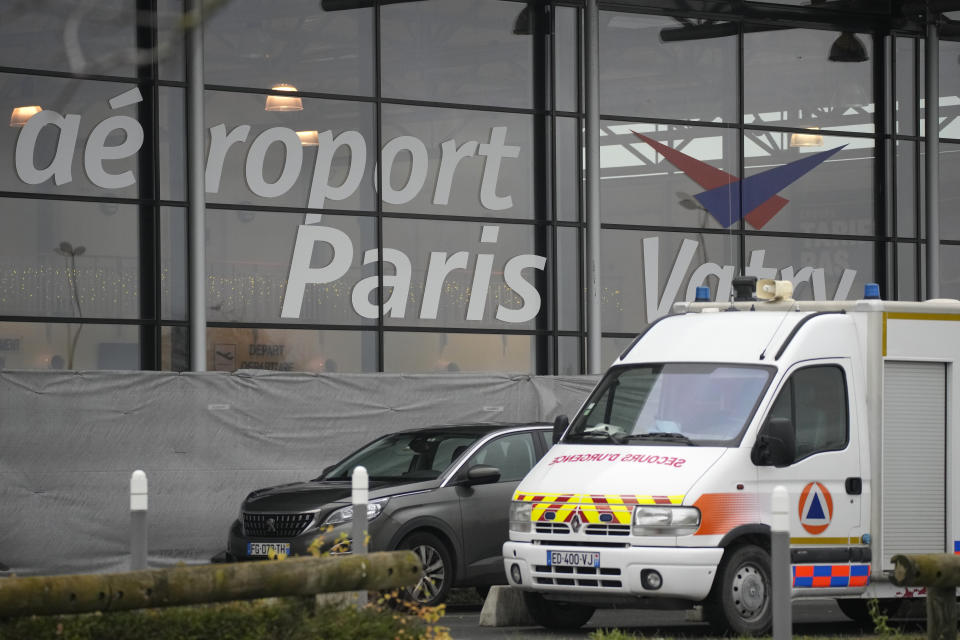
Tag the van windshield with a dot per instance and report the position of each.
(679, 403)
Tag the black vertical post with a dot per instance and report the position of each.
(196, 199)
(542, 163)
(379, 357)
(893, 205)
(148, 229)
(741, 162)
(880, 165)
(591, 78)
(931, 184)
(917, 180)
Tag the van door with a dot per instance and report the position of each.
(824, 481)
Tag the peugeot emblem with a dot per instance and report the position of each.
(271, 525)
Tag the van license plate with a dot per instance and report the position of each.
(262, 549)
(573, 558)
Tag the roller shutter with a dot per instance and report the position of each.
(913, 458)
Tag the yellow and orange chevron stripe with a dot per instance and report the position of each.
(560, 507)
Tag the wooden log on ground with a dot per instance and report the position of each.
(941, 613)
(182, 585)
(940, 573)
(926, 570)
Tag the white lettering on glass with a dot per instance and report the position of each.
(325, 188)
(59, 168)
(97, 150)
(220, 143)
(450, 157)
(396, 305)
(513, 275)
(293, 162)
(659, 305)
(481, 275)
(418, 169)
(302, 273)
(320, 187)
(440, 265)
(495, 151)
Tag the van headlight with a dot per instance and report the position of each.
(344, 515)
(665, 521)
(521, 515)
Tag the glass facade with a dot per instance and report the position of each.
(399, 186)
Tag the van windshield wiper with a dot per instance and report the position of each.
(605, 436)
(671, 437)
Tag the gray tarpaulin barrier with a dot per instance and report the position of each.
(70, 440)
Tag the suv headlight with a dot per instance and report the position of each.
(521, 514)
(665, 521)
(344, 515)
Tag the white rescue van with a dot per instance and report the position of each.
(658, 492)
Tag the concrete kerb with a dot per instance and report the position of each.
(504, 607)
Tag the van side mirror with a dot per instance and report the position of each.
(482, 474)
(560, 425)
(776, 444)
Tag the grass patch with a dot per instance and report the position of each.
(273, 619)
(619, 634)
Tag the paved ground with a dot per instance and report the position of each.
(811, 618)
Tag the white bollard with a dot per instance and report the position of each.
(138, 520)
(358, 538)
(780, 578)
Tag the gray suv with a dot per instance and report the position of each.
(442, 491)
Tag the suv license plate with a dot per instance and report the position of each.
(262, 549)
(573, 558)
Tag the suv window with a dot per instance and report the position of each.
(513, 454)
(449, 450)
(815, 401)
(406, 456)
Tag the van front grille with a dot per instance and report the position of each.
(608, 530)
(553, 527)
(595, 577)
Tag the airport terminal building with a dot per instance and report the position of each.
(457, 185)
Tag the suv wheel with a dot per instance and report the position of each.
(434, 585)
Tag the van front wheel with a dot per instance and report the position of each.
(556, 615)
(739, 602)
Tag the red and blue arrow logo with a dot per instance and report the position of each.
(726, 196)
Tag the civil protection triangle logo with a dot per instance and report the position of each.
(727, 197)
(815, 508)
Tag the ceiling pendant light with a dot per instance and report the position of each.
(284, 103)
(807, 139)
(847, 48)
(309, 138)
(20, 115)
